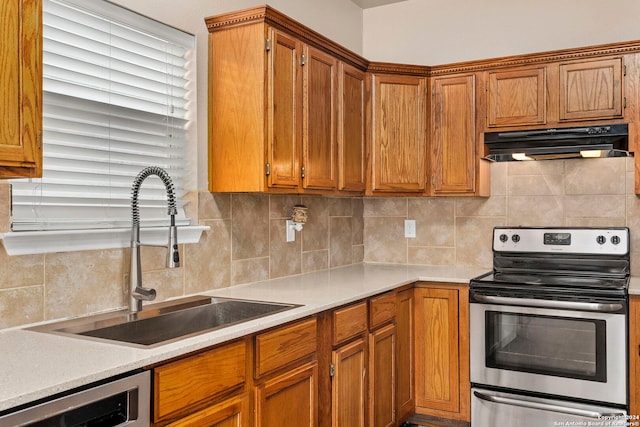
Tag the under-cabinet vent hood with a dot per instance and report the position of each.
(564, 143)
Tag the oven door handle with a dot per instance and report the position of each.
(535, 404)
(567, 305)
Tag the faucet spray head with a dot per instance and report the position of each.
(173, 255)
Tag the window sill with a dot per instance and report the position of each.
(40, 242)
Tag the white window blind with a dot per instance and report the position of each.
(116, 99)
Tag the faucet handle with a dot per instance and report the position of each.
(144, 294)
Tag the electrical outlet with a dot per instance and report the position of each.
(291, 232)
(410, 228)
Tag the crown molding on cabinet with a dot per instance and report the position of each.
(267, 14)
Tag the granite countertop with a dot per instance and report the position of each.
(35, 365)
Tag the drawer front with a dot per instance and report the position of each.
(349, 322)
(282, 346)
(181, 384)
(382, 309)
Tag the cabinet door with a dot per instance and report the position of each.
(382, 376)
(405, 355)
(284, 111)
(398, 148)
(290, 399)
(320, 146)
(591, 89)
(348, 386)
(351, 131)
(21, 83)
(453, 150)
(233, 412)
(516, 97)
(442, 348)
(634, 355)
(183, 385)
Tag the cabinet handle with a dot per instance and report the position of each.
(303, 172)
(268, 169)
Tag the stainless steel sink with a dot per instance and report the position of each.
(166, 322)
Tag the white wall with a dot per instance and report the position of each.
(340, 20)
(437, 32)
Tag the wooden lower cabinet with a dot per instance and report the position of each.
(349, 387)
(382, 376)
(196, 384)
(634, 355)
(233, 412)
(442, 351)
(405, 358)
(372, 363)
(289, 399)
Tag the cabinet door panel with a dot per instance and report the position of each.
(210, 373)
(405, 372)
(453, 138)
(290, 399)
(348, 391)
(21, 83)
(516, 97)
(399, 134)
(351, 131)
(437, 347)
(382, 377)
(284, 113)
(319, 105)
(634, 355)
(591, 89)
(233, 412)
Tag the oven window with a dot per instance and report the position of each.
(558, 346)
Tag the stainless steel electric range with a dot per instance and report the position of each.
(549, 329)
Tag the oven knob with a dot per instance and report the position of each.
(615, 240)
(515, 238)
(601, 240)
(504, 238)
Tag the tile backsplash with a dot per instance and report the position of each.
(246, 240)
(245, 243)
(457, 231)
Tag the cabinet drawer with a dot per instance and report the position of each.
(382, 309)
(282, 346)
(349, 322)
(181, 384)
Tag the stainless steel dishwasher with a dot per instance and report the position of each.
(123, 402)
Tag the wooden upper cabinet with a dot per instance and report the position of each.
(591, 89)
(276, 107)
(398, 146)
(320, 147)
(284, 111)
(351, 129)
(516, 97)
(21, 82)
(453, 153)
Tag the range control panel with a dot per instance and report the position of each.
(607, 241)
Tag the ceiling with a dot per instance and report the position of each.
(366, 4)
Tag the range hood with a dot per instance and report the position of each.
(564, 143)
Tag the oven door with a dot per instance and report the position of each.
(490, 409)
(566, 352)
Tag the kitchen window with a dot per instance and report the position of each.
(116, 98)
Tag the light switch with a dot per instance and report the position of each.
(410, 228)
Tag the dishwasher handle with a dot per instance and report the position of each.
(532, 403)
